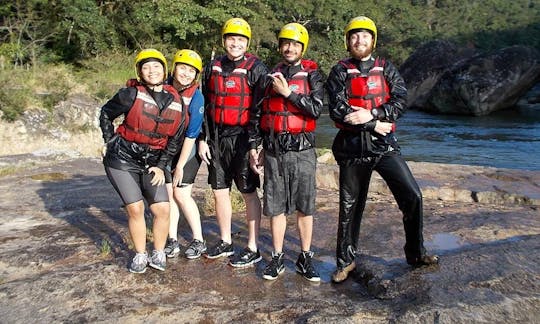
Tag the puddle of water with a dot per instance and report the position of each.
(326, 267)
(444, 241)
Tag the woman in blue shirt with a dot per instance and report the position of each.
(186, 68)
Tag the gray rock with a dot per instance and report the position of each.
(486, 83)
(65, 248)
(78, 112)
(444, 78)
(425, 66)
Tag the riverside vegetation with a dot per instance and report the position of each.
(51, 49)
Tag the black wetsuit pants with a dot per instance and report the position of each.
(353, 189)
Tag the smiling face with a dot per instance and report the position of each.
(184, 74)
(360, 44)
(152, 72)
(235, 46)
(290, 50)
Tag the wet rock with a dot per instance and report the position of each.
(55, 267)
(447, 182)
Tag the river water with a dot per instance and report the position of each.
(506, 139)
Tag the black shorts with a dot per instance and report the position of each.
(232, 163)
(133, 186)
(190, 169)
(290, 183)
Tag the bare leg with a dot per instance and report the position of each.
(305, 229)
(223, 213)
(190, 210)
(279, 226)
(161, 224)
(137, 225)
(174, 214)
(253, 217)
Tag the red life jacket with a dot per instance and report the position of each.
(146, 124)
(281, 115)
(231, 95)
(187, 95)
(366, 91)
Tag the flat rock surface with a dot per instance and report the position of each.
(60, 215)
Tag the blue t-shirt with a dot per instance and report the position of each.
(196, 114)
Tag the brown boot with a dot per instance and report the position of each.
(424, 260)
(342, 273)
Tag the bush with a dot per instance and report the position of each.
(44, 86)
(39, 87)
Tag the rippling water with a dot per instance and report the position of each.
(508, 139)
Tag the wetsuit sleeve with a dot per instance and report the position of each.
(311, 104)
(196, 115)
(260, 80)
(203, 135)
(397, 103)
(338, 100)
(120, 104)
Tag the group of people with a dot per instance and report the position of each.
(245, 121)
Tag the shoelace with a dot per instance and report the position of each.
(195, 246)
(308, 265)
(274, 263)
(158, 255)
(140, 258)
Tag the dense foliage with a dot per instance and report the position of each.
(71, 30)
(75, 32)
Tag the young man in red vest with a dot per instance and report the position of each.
(286, 121)
(366, 97)
(229, 84)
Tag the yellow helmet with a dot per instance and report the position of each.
(188, 57)
(296, 32)
(361, 22)
(237, 26)
(148, 54)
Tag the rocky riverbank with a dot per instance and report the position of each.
(64, 251)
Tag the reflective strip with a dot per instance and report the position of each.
(377, 68)
(145, 97)
(349, 71)
(175, 106)
(216, 68)
(301, 73)
(241, 71)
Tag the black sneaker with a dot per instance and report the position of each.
(221, 249)
(139, 263)
(304, 266)
(246, 259)
(172, 248)
(275, 267)
(195, 249)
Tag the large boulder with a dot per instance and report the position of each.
(485, 83)
(425, 66)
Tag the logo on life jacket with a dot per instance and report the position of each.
(279, 114)
(230, 96)
(369, 90)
